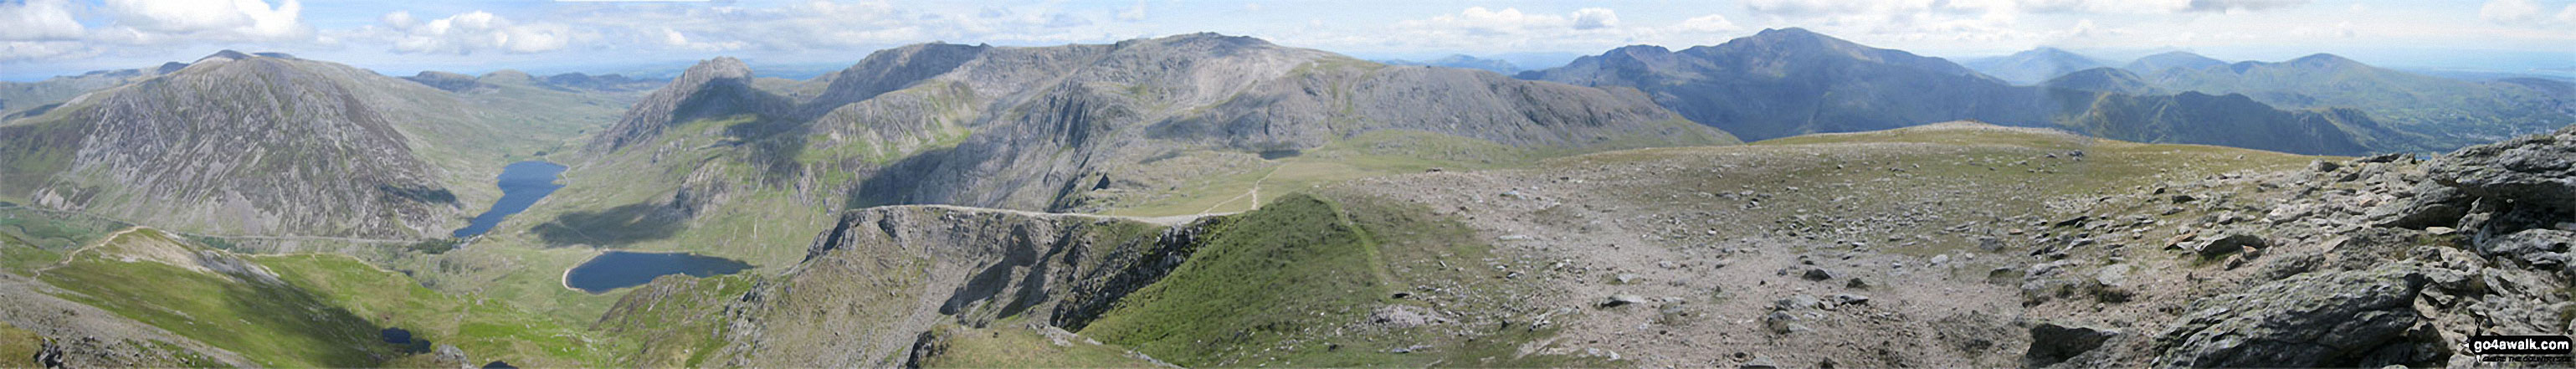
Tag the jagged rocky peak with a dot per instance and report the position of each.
(242, 144)
(893, 69)
(712, 88)
(722, 67)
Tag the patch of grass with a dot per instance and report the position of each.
(1292, 283)
(273, 324)
(18, 347)
(677, 322)
(1268, 276)
(486, 329)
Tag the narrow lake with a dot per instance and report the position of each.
(620, 269)
(522, 184)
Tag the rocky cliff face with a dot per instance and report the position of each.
(234, 144)
(884, 277)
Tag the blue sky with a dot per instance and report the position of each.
(49, 37)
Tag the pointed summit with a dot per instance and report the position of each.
(713, 88)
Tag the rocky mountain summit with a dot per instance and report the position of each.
(235, 144)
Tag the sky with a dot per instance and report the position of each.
(40, 38)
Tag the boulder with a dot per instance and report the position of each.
(1622, 300)
(2535, 170)
(2545, 249)
(2231, 243)
(2342, 319)
(1817, 274)
(2051, 343)
(2433, 205)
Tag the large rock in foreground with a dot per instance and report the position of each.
(2532, 170)
(2352, 318)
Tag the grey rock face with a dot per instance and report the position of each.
(2537, 170)
(241, 145)
(2051, 343)
(2321, 319)
(712, 88)
(2545, 249)
(2433, 205)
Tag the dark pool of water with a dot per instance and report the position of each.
(522, 184)
(620, 269)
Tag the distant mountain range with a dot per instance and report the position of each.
(1462, 61)
(1785, 82)
(2033, 66)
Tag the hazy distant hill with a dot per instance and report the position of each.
(1787, 82)
(21, 99)
(1462, 61)
(2032, 66)
(2158, 63)
(2454, 112)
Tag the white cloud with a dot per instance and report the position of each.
(470, 32)
(2236, 5)
(1133, 14)
(37, 50)
(162, 21)
(1708, 23)
(2510, 11)
(1595, 18)
(38, 20)
(1511, 21)
(2567, 15)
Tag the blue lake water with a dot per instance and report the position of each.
(522, 184)
(620, 269)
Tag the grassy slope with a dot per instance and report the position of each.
(488, 329)
(326, 312)
(18, 347)
(1279, 285)
(270, 324)
(682, 329)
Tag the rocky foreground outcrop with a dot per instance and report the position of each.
(2378, 261)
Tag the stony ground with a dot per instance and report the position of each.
(1956, 245)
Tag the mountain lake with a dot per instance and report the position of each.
(522, 184)
(620, 269)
